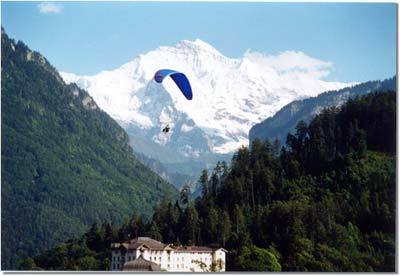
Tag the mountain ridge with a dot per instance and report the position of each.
(285, 120)
(230, 94)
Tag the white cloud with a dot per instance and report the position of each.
(48, 7)
(292, 62)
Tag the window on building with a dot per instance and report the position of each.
(159, 259)
(168, 265)
(113, 266)
(129, 258)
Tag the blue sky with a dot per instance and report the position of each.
(87, 37)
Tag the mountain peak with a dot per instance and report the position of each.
(230, 94)
(197, 45)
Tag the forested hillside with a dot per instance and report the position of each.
(65, 163)
(286, 119)
(324, 202)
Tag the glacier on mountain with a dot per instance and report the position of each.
(230, 95)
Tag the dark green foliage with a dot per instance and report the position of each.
(92, 252)
(65, 163)
(253, 258)
(325, 203)
(286, 119)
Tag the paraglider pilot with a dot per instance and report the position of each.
(180, 80)
(166, 129)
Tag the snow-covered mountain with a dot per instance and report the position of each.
(230, 95)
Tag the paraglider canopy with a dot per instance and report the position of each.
(179, 78)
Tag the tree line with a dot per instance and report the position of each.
(325, 201)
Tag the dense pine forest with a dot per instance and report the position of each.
(323, 202)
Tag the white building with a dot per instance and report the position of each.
(169, 257)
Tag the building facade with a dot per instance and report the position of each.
(169, 257)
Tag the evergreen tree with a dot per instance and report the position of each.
(204, 183)
(327, 202)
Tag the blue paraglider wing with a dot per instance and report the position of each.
(179, 78)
